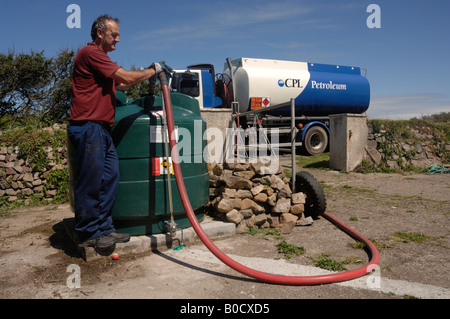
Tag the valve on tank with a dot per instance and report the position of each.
(170, 227)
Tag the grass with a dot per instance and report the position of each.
(411, 237)
(325, 262)
(321, 161)
(289, 250)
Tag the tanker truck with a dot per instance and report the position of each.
(261, 91)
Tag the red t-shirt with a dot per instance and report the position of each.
(93, 91)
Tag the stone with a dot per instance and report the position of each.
(288, 218)
(27, 191)
(9, 164)
(243, 193)
(298, 198)
(272, 199)
(257, 189)
(266, 180)
(260, 219)
(274, 220)
(265, 168)
(10, 192)
(269, 191)
(242, 167)
(285, 192)
(18, 169)
(37, 182)
(246, 213)
(28, 177)
(306, 221)
(283, 205)
(371, 144)
(247, 203)
(276, 182)
(242, 227)
(229, 193)
(26, 169)
(225, 205)
(374, 155)
(226, 174)
(297, 209)
(237, 182)
(234, 216)
(244, 174)
(250, 222)
(261, 198)
(51, 193)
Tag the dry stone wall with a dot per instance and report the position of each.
(254, 195)
(418, 149)
(18, 179)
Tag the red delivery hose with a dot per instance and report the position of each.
(262, 276)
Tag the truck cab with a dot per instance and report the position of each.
(198, 82)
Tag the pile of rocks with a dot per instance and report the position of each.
(255, 195)
(17, 178)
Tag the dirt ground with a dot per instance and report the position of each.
(37, 258)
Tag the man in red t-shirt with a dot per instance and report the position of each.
(96, 172)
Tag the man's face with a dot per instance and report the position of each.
(110, 37)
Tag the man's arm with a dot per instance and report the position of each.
(130, 78)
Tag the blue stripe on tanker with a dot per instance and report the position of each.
(331, 89)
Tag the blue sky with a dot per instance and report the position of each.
(407, 59)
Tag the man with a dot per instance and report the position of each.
(96, 173)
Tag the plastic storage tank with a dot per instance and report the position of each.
(318, 89)
(142, 203)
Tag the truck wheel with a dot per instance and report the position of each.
(316, 140)
(315, 198)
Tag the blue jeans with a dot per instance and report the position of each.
(96, 178)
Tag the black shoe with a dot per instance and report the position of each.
(120, 237)
(99, 242)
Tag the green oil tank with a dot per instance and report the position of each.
(142, 204)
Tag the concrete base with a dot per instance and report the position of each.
(348, 139)
(140, 244)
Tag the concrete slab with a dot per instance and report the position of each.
(139, 244)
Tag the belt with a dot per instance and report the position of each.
(79, 123)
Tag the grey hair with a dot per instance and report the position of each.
(100, 22)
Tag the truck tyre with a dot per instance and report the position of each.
(316, 140)
(315, 198)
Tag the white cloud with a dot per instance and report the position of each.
(226, 22)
